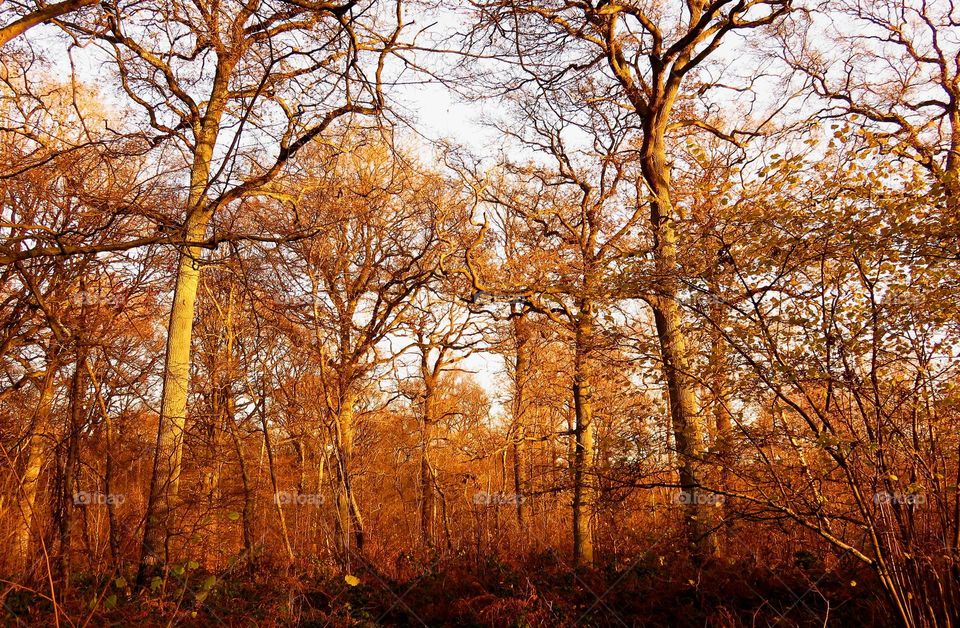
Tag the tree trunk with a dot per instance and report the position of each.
(71, 463)
(720, 415)
(30, 482)
(108, 473)
(273, 475)
(521, 373)
(165, 481)
(427, 495)
(349, 523)
(247, 514)
(681, 386)
(583, 497)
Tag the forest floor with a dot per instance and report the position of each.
(542, 592)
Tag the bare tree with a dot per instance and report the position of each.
(219, 82)
(891, 68)
(647, 57)
(563, 232)
(355, 284)
(19, 17)
(443, 336)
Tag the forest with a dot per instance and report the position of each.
(480, 313)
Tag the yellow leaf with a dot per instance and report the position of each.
(351, 580)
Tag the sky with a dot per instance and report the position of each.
(430, 111)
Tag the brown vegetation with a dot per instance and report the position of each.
(682, 348)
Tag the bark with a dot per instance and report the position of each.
(30, 481)
(349, 522)
(300, 449)
(247, 514)
(521, 373)
(681, 386)
(108, 474)
(445, 518)
(427, 493)
(583, 454)
(273, 481)
(720, 415)
(70, 467)
(165, 481)
(217, 429)
(221, 399)
(41, 15)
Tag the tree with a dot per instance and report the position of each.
(220, 89)
(24, 18)
(896, 77)
(652, 60)
(564, 228)
(825, 315)
(59, 173)
(355, 283)
(442, 336)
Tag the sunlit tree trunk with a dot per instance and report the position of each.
(30, 481)
(165, 481)
(521, 374)
(427, 494)
(165, 484)
(274, 482)
(227, 411)
(349, 523)
(109, 465)
(583, 454)
(681, 386)
(720, 413)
